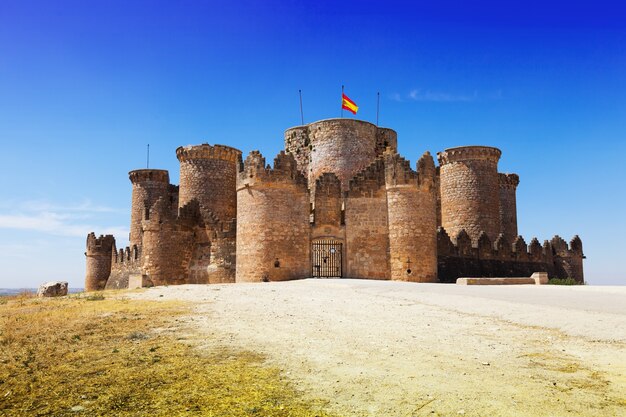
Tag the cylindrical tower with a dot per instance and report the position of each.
(340, 146)
(273, 230)
(508, 205)
(148, 186)
(99, 253)
(412, 218)
(209, 174)
(470, 192)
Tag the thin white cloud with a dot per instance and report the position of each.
(54, 224)
(443, 97)
(53, 219)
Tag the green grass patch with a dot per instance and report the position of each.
(72, 357)
(563, 281)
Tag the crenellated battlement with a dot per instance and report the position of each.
(398, 170)
(143, 175)
(99, 245)
(464, 153)
(126, 255)
(482, 257)
(285, 171)
(369, 180)
(510, 181)
(206, 151)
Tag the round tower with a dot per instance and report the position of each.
(508, 205)
(148, 186)
(209, 175)
(412, 219)
(99, 252)
(341, 146)
(470, 191)
(272, 221)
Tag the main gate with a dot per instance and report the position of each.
(326, 259)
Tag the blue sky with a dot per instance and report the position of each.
(84, 86)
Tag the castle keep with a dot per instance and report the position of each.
(338, 202)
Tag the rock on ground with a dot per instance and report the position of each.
(52, 289)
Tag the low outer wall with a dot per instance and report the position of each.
(450, 268)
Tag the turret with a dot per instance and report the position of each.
(508, 204)
(209, 175)
(272, 221)
(99, 254)
(148, 186)
(470, 191)
(341, 146)
(412, 218)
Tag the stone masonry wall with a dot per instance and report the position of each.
(341, 146)
(508, 204)
(367, 231)
(209, 174)
(273, 226)
(412, 219)
(148, 186)
(470, 192)
(328, 200)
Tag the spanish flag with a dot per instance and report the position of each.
(348, 104)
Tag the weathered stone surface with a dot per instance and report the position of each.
(52, 289)
(339, 181)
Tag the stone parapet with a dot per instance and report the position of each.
(206, 151)
(464, 153)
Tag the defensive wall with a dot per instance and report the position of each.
(339, 201)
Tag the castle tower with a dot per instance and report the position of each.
(273, 225)
(412, 218)
(341, 146)
(99, 253)
(148, 186)
(470, 191)
(168, 242)
(209, 174)
(508, 205)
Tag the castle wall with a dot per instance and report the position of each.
(341, 146)
(124, 263)
(209, 174)
(367, 231)
(213, 255)
(505, 259)
(273, 223)
(470, 192)
(168, 243)
(98, 264)
(508, 204)
(148, 186)
(412, 219)
(328, 201)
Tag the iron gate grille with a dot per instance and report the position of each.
(326, 259)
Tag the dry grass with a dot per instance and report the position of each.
(100, 357)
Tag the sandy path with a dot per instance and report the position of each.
(401, 349)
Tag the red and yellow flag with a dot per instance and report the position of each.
(348, 104)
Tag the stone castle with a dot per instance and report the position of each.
(338, 202)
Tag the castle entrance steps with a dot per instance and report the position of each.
(326, 258)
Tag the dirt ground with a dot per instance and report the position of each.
(379, 348)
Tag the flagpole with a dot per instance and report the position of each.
(377, 106)
(301, 113)
(342, 101)
(148, 157)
